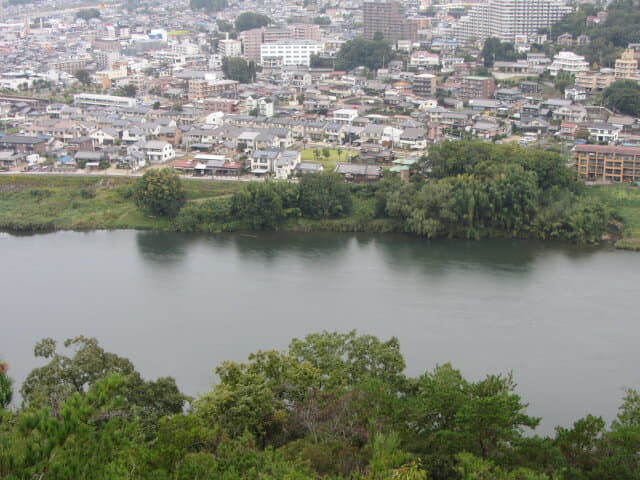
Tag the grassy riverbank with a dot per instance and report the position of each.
(40, 203)
(624, 203)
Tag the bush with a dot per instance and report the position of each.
(160, 192)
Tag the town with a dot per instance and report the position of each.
(254, 89)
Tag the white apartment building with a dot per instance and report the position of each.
(230, 48)
(289, 52)
(568, 62)
(506, 19)
(103, 100)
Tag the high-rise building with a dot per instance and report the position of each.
(504, 19)
(386, 17)
(252, 39)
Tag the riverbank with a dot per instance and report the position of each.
(624, 203)
(43, 203)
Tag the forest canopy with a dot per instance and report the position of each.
(332, 405)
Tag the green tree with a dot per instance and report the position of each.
(88, 13)
(83, 76)
(494, 49)
(129, 90)
(250, 20)
(6, 386)
(322, 20)
(160, 192)
(623, 96)
(372, 54)
(210, 6)
(265, 205)
(52, 384)
(324, 195)
(88, 438)
(237, 68)
(224, 26)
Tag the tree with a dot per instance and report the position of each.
(224, 26)
(322, 20)
(324, 195)
(250, 20)
(265, 205)
(66, 375)
(237, 68)
(6, 384)
(83, 76)
(88, 438)
(88, 13)
(127, 91)
(211, 6)
(372, 54)
(494, 49)
(623, 96)
(160, 192)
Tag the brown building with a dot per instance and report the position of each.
(251, 40)
(387, 18)
(70, 66)
(306, 32)
(23, 144)
(607, 163)
(201, 89)
(425, 85)
(477, 87)
(225, 105)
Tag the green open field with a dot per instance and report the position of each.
(36, 203)
(624, 202)
(329, 163)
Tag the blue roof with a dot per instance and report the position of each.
(65, 159)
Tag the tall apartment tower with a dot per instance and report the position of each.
(386, 17)
(505, 19)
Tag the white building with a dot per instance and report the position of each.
(264, 105)
(103, 100)
(604, 132)
(157, 151)
(422, 58)
(280, 163)
(568, 62)
(345, 115)
(506, 19)
(230, 48)
(288, 52)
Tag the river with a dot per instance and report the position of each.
(563, 319)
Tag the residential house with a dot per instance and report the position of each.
(604, 132)
(356, 172)
(413, 139)
(157, 151)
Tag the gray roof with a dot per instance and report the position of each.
(358, 169)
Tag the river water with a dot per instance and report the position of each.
(563, 319)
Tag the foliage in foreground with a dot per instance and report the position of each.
(334, 405)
